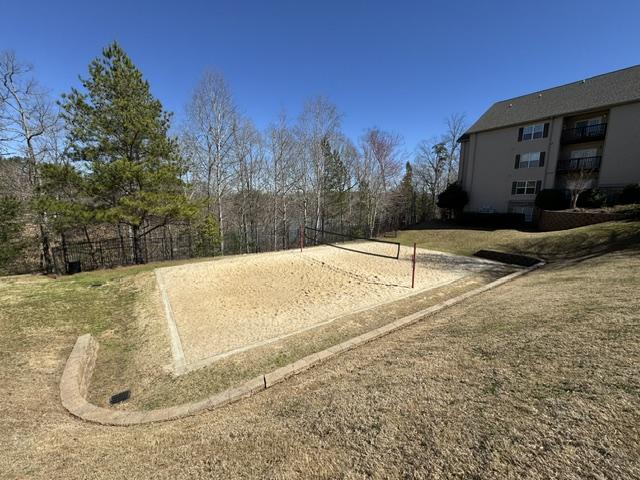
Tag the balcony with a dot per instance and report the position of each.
(588, 133)
(568, 165)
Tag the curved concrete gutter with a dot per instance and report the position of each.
(79, 368)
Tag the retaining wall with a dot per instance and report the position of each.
(549, 220)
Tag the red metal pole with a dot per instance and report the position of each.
(413, 270)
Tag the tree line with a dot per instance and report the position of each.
(105, 160)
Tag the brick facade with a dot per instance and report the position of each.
(548, 220)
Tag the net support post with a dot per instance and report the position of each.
(413, 267)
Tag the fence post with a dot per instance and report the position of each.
(301, 237)
(413, 267)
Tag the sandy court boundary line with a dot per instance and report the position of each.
(177, 352)
(180, 364)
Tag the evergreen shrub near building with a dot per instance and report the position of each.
(630, 194)
(552, 199)
(592, 198)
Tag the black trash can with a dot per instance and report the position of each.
(74, 267)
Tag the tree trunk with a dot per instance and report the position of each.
(65, 251)
(275, 221)
(137, 250)
(285, 230)
(221, 225)
(574, 199)
(123, 253)
(46, 262)
(91, 249)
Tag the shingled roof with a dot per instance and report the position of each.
(621, 86)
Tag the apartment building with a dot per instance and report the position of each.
(586, 132)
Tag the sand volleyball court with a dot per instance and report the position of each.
(225, 306)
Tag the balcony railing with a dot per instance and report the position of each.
(576, 164)
(589, 133)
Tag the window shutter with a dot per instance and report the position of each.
(538, 185)
(520, 132)
(517, 161)
(545, 134)
(513, 188)
(542, 155)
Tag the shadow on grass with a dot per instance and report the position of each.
(453, 225)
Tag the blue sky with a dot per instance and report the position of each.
(402, 66)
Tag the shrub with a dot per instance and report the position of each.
(453, 197)
(551, 199)
(631, 210)
(592, 198)
(630, 194)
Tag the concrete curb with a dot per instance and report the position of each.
(79, 368)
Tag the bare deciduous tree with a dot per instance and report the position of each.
(283, 178)
(379, 169)
(249, 167)
(212, 118)
(320, 119)
(578, 181)
(26, 113)
(456, 126)
(431, 169)
(27, 121)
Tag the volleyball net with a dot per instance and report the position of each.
(310, 236)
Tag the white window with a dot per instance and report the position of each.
(529, 160)
(525, 187)
(531, 132)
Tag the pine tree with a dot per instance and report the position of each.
(11, 225)
(336, 179)
(406, 198)
(118, 135)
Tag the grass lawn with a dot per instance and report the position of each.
(536, 379)
(551, 246)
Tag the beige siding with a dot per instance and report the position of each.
(488, 157)
(621, 156)
(489, 166)
(553, 153)
(464, 161)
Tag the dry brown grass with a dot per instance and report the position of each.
(536, 379)
(550, 246)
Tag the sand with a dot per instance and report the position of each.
(228, 305)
